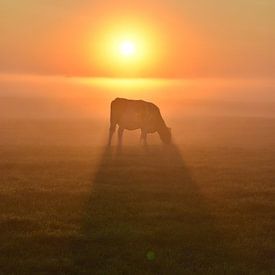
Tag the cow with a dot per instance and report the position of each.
(137, 114)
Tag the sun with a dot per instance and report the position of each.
(125, 49)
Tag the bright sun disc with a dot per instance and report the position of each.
(127, 48)
(124, 50)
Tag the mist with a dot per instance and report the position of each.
(64, 97)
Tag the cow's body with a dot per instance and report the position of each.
(137, 114)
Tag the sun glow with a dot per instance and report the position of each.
(127, 48)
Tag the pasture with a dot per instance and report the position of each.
(205, 205)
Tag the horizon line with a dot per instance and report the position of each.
(27, 76)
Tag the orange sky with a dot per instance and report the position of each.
(184, 38)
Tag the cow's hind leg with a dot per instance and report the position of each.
(120, 135)
(143, 137)
(111, 132)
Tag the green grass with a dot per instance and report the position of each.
(165, 210)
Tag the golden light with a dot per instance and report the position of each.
(127, 48)
(127, 52)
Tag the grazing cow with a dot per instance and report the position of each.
(137, 114)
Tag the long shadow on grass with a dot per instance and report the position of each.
(147, 216)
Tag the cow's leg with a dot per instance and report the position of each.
(111, 132)
(143, 137)
(120, 134)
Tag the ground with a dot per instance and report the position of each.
(188, 208)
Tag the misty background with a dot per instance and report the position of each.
(65, 110)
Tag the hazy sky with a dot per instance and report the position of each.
(186, 38)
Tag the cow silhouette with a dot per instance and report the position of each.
(137, 114)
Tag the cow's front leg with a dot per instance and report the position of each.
(120, 135)
(111, 132)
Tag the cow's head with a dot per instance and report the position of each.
(165, 135)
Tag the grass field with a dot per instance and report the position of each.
(201, 206)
